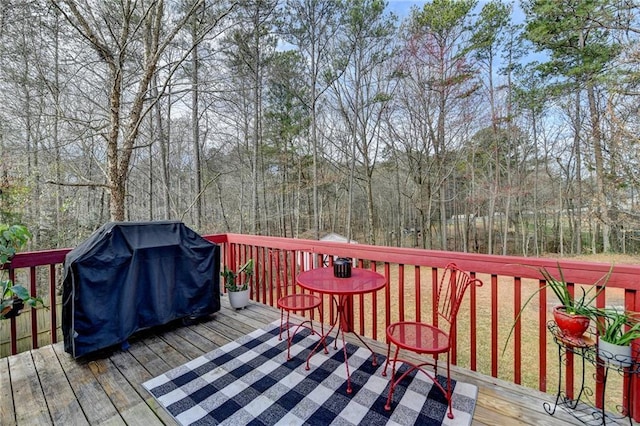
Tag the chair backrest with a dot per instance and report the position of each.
(450, 292)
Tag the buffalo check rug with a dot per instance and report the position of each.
(249, 381)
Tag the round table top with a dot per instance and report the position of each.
(322, 280)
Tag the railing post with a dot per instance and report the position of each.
(473, 331)
(34, 313)
(569, 380)
(13, 333)
(53, 304)
(634, 403)
(600, 388)
(542, 345)
(632, 303)
(494, 325)
(517, 336)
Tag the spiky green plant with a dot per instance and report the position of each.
(616, 327)
(582, 305)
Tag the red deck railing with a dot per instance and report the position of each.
(487, 316)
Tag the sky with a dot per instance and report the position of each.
(403, 7)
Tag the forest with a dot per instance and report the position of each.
(479, 126)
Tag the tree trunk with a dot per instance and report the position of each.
(255, 201)
(601, 201)
(195, 121)
(578, 203)
(163, 143)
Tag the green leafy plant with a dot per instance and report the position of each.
(13, 297)
(12, 239)
(238, 281)
(618, 328)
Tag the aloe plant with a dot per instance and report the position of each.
(618, 328)
(13, 297)
(582, 305)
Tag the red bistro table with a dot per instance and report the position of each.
(322, 280)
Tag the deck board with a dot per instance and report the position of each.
(47, 386)
(6, 398)
(93, 399)
(62, 404)
(26, 387)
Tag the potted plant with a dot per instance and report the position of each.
(237, 284)
(572, 314)
(13, 297)
(616, 331)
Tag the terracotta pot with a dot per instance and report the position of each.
(571, 325)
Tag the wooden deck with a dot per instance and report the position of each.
(46, 386)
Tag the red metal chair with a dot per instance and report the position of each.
(299, 303)
(436, 339)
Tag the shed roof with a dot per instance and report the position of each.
(332, 236)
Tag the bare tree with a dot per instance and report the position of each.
(440, 75)
(117, 31)
(362, 94)
(312, 26)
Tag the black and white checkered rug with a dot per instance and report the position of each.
(249, 381)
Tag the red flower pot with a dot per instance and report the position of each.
(571, 325)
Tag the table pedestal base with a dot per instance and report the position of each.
(341, 321)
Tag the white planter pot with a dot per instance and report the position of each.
(616, 355)
(238, 299)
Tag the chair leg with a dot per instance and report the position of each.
(322, 336)
(281, 323)
(449, 392)
(386, 364)
(288, 337)
(392, 381)
(310, 326)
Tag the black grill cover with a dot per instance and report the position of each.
(128, 276)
